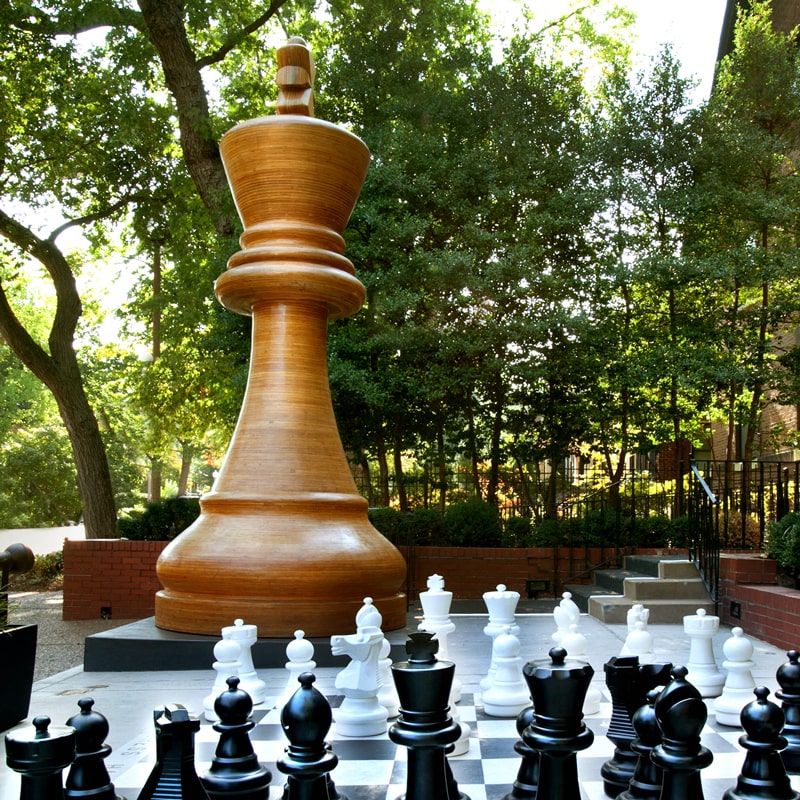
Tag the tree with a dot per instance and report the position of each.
(83, 131)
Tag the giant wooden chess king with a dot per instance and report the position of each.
(283, 537)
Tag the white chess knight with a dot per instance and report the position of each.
(502, 605)
(300, 659)
(246, 636)
(702, 668)
(387, 693)
(509, 694)
(566, 614)
(436, 620)
(739, 684)
(361, 713)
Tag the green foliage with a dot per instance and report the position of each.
(783, 543)
(160, 521)
(39, 485)
(475, 523)
(516, 531)
(420, 527)
(45, 575)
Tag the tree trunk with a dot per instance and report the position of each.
(399, 475)
(383, 471)
(187, 454)
(58, 370)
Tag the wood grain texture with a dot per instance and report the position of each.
(283, 540)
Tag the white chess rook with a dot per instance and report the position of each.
(246, 636)
(703, 673)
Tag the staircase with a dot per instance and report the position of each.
(670, 586)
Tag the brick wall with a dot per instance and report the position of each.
(114, 577)
(750, 598)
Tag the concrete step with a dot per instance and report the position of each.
(614, 579)
(649, 565)
(613, 609)
(582, 592)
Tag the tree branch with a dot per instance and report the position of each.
(68, 301)
(239, 36)
(90, 16)
(97, 215)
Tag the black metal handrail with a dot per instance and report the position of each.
(704, 545)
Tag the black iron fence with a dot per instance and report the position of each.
(748, 495)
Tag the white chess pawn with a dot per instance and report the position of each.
(300, 659)
(565, 614)
(639, 642)
(387, 693)
(702, 668)
(501, 605)
(508, 694)
(246, 636)
(575, 643)
(226, 664)
(637, 613)
(739, 684)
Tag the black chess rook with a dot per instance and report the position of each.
(628, 683)
(174, 774)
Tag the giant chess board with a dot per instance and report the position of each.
(374, 768)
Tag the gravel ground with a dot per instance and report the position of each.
(59, 642)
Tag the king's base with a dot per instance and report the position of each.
(323, 616)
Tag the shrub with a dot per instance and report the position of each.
(46, 574)
(423, 526)
(473, 524)
(161, 521)
(517, 531)
(783, 543)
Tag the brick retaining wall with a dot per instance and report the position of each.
(117, 577)
(750, 598)
(110, 577)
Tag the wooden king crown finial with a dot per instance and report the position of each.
(295, 78)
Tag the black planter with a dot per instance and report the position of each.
(17, 658)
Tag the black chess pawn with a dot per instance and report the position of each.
(235, 770)
(88, 776)
(763, 775)
(174, 774)
(527, 782)
(558, 689)
(628, 682)
(788, 677)
(681, 715)
(647, 779)
(424, 726)
(306, 720)
(40, 754)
